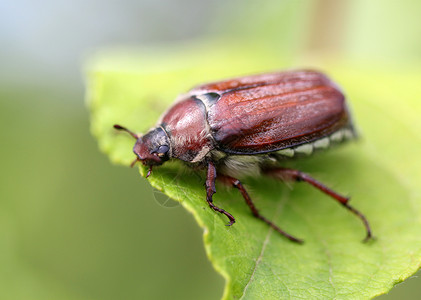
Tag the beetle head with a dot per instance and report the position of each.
(152, 149)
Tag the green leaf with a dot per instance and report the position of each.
(381, 172)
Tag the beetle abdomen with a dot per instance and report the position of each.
(339, 136)
(238, 165)
(271, 112)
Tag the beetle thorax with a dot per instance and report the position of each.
(188, 130)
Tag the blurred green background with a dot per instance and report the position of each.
(73, 226)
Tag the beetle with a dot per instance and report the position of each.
(248, 126)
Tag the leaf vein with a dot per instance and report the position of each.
(262, 251)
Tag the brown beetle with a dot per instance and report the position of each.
(245, 126)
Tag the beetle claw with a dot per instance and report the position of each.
(369, 238)
(230, 223)
(149, 172)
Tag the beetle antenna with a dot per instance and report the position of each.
(134, 162)
(118, 127)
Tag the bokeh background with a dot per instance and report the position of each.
(73, 226)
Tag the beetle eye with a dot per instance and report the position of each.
(162, 150)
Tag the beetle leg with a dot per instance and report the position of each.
(291, 174)
(210, 190)
(238, 185)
